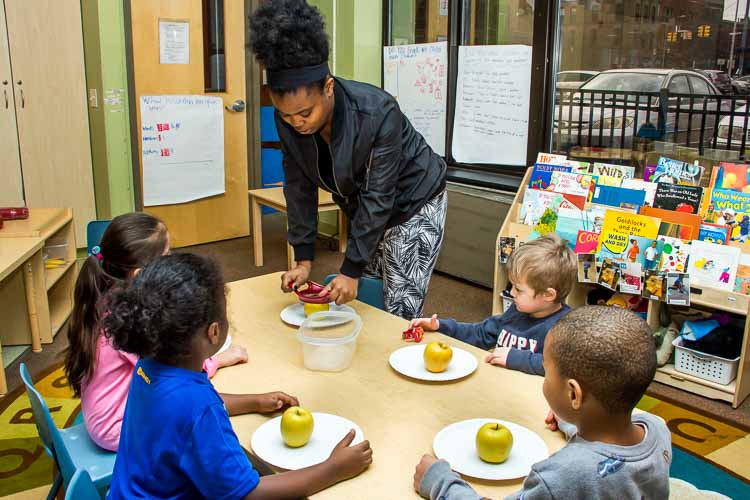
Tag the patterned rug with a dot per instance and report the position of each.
(23, 462)
(708, 453)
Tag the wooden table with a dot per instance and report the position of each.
(21, 270)
(274, 198)
(399, 416)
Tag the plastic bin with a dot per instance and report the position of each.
(55, 251)
(705, 366)
(329, 340)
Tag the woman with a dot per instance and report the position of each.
(351, 139)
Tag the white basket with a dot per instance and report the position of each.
(705, 366)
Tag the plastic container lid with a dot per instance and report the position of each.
(330, 328)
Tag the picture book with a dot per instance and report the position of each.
(713, 266)
(587, 268)
(505, 246)
(612, 175)
(739, 203)
(630, 278)
(648, 187)
(580, 167)
(674, 254)
(654, 285)
(567, 228)
(618, 197)
(578, 187)
(541, 176)
(675, 224)
(732, 176)
(714, 233)
(742, 281)
(586, 242)
(535, 202)
(609, 275)
(678, 197)
(678, 289)
(620, 227)
(677, 172)
(639, 250)
(550, 158)
(648, 172)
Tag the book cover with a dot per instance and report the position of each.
(618, 197)
(541, 176)
(587, 268)
(505, 246)
(739, 203)
(714, 233)
(678, 197)
(639, 250)
(579, 167)
(674, 254)
(630, 278)
(678, 289)
(535, 202)
(675, 224)
(648, 187)
(654, 285)
(648, 172)
(550, 158)
(619, 227)
(732, 176)
(742, 280)
(609, 275)
(567, 229)
(586, 242)
(612, 175)
(677, 172)
(577, 187)
(713, 266)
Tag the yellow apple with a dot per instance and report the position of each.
(313, 308)
(437, 356)
(296, 426)
(494, 442)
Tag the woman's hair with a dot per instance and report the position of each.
(288, 34)
(129, 242)
(165, 306)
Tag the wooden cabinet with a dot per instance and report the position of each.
(41, 58)
(707, 299)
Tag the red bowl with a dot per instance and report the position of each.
(309, 294)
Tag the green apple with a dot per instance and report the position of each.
(494, 442)
(296, 426)
(437, 356)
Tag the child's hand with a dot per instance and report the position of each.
(348, 461)
(274, 401)
(551, 421)
(427, 324)
(422, 466)
(234, 355)
(499, 356)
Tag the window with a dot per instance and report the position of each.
(679, 85)
(214, 70)
(700, 86)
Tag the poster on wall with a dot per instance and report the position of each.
(416, 75)
(174, 42)
(492, 104)
(182, 148)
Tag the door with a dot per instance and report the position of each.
(11, 192)
(46, 52)
(207, 72)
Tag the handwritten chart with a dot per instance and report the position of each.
(182, 144)
(492, 104)
(416, 76)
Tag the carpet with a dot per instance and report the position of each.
(23, 462)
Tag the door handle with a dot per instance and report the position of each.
(23, 99)
(237, 106)
(5, 94)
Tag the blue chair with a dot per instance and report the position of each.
(82, 488)
(70, 448)
(370, 291)
(94, 231)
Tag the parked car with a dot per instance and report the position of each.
(741, 85)
(719, 78)
(612, 119)
(574, 79)
(737, 123)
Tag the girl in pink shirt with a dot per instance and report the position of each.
(98, 373)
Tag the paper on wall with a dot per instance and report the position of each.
(174, 42)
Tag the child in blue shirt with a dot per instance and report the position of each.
(176, 440)
(542, 273)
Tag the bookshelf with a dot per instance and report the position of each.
(700, 297)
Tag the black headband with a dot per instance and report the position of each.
(297, 77)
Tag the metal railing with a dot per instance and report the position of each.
(618, 119)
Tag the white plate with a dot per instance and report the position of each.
(294, 314)
(409, 361)
(457, 444)
(328, 430)
(226, 345)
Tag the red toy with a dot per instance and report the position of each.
(415, 334)
(309, 293)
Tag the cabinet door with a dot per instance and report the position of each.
(46, 50)
(11, 189)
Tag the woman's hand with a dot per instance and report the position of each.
(297, 276)
(342, 289)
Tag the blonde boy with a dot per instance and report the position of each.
(542, 273)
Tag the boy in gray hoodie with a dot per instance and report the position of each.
(598, 363)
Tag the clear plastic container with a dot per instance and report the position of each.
(329, 340)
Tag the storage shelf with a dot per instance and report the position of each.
(669, 376)
(731, 302)
(52, 276)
